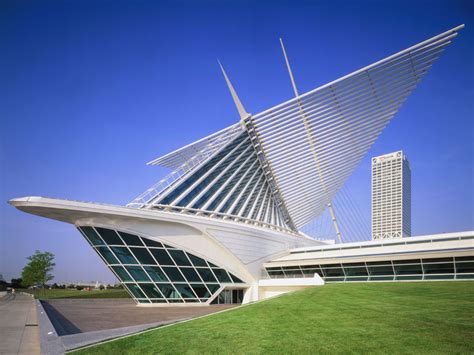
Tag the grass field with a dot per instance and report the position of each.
(415, 318)
(72, 293)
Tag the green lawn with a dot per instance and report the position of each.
(72, 293)
(422, 317)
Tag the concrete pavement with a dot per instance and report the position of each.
(18, 325)
(74, 316)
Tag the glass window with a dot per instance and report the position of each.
(152, 243)
(190, 274)
(137, 273)
(135, 290)
(447, 268)
(292, 272)
(356, 278)
(156, 274)
(465, 276)
(179, 257)
(185, 291)
(408, 269)
(168, 291)
(92, 236)
(236, 279)
(438, 260)
(124, 255)
(122, 274)
(380, 270)
(222, 275)
(464, 258)
(329, 279)
(381, 278)
(213, 288)
(355, 271)
(196, 260)
(346, 265)
(201, 171)
(107, 255)
(173, 274)
(201, 290)
(143, 256)
(311, 272)
(464, 267)
(151, 291)
(409, 277)
(162, 257)
(109, 236)
(439, 277)
(207, 275)
(411, 261)
(130, 239)
(304, 267)
(275, 272)
(378, 263)
(333, 272)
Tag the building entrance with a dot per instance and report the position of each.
(229, 297)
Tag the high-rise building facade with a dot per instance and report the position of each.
(391, 196)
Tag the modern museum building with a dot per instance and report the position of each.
(225, 225)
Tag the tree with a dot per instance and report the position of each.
(38, 270)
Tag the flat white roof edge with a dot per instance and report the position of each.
(385, 242)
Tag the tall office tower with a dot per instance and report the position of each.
(391, 196)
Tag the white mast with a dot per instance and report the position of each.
(243, 114)
(295, 89)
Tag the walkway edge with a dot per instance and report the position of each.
(49, 339)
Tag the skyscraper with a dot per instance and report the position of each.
(391, 196)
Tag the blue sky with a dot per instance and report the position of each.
(91, 90)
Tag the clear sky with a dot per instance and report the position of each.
(91, 90)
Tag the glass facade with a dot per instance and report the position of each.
(231, 183)
(452, 268)
(154, 272)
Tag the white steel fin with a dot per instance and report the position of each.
(243, 114)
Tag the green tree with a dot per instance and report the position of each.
(38, 270)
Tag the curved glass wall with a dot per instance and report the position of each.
(154, 272)
(452, 268)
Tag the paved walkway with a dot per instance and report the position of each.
(74, 316)
(18, 325)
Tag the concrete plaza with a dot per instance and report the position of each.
(18, 325)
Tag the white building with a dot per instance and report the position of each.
(391, 196)
(232, 209)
